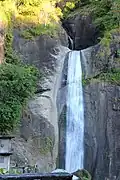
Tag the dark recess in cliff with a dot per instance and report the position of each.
(82, 31)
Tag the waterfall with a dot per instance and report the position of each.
(74, 115)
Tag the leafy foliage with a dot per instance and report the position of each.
(46, 145)
(49, 29)
(112, 76)
(17, 85)
(17, 81)
(11, 171)
(69, 6)
(83, 174)
(39, 15)
(3, 171)
(106, 14)
(10, 55)
(31, 11)
(106, 17)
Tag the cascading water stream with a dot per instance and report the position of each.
(74, 115)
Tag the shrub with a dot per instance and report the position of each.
(40, 29)
(17, 85)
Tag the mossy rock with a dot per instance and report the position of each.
(47, 145)
(83, 174)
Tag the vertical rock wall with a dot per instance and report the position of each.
(102, 122)
(102, 115)
(36, 141)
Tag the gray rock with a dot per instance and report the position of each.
(82, 31)
(102, 114)
(95, 60)
(36, 140)
(61, 106)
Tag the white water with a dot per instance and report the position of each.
(75, 115)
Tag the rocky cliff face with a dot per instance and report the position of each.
(102, 114)
(37, 140)
(81, 30)
(101, 100)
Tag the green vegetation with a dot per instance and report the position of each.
(83, 174)
(3, 171)
(105, 15)
(69, 7)
(31, 11)
(46, 14)
(112, 76)
(11, 171)
(85, 81)
(10, 55)
(47, 145)
(17, 85)
(49, 29)
(39, 15)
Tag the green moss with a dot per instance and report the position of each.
(85, 81)
(112, 77)
(26, 34)
(118, 53)
(47, 145)
(50, 29)
(83, 174)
